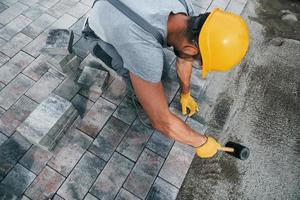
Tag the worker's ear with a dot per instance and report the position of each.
(190, 50)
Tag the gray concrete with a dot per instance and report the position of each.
(258, 105)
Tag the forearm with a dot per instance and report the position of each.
(176, 129)
(184, 71)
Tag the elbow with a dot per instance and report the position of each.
(162, 124)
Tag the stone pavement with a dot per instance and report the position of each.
(108, 154)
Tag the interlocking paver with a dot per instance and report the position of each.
(38, 26)
(3, 58)
(135, 140)
(162, 190)
(143, 174)
(3, 7)
(112, 177)
(177, 164)
(12, 12)
(47, 4)
(58, 9)
(94, 120)
(64, 22)
(45, 185)
(34, 12)
(218, 4)
(35, 47)
(82, 104)
(203, 3)
(13, 27)
(3, 138)
(17, 180)
(16, 64)
(125, 195)
(116, 91)
(171, 85)
(88, 2)
(236, 6)
(86, 171)
(57, 197)
(83, 47)
(35, 159)
(29, 2)
(13, 46)
(11, 119)
(77, 27)
(109, 138)
(14, 90)
(160, 144)
(59, 42)
(79, 10)
(69, 151)
(90, 197)
(11, 151)
(126, 111)
(67, 89)
(43, 87)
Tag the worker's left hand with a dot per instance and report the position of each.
(187, 102)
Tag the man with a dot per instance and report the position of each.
(218, 39)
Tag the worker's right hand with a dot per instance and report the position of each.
(187, 102)
(209, 148)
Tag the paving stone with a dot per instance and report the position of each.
(109, 138)
(12, 12)
(177, 165)
(3, 7)
(125, 195)
(67, 89)
(57, 197)
(236, 7)
(82, 104)
(88, 2)
(58, 9)
(175, 107)
(60, 62)
(135, 140)
(37, 68)
(3, 58)
(2, 85)
(90, 197)
(64, 22)
(87, 170)
(35, 159)
(203, 3)
(160, 144)
(17, 180)
(162, 190)
(45, 185)
(47, 4)
(11, 119)
(59, 42)
(14, 90)
(83, 47)
(28, 2)
(77, 27)
(71, 69)
(2, 111)
(24, 198)
(171, 85)
(38, 26)
(196, 125)
(11, 69)
(144, 173)
(112, 177)
(46, 124)
(79, 10)
(11, 151)
(197, 84)
(218, 4)
(69, 151)
(126, 111)
(35, 47)
(94, 120)
(41, 90)
(34, 12)
(198, 10)
(3, 138)
(15, 26)
(15, 44)
(116, 91)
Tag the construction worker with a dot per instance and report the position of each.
(218, 39)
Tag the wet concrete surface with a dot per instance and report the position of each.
(258, 105)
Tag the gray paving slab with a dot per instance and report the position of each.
(34, 12)
(218, 4)
(45, 185)
(87, 170)
(116, 91)
(35, 159)
(3, 138)
(90, 197)
(69, 150)
(67, 89)
(144, 173)
(236, 6)
(160, 144)
(59, 42)
(13, 27)
(35, 47)
(3, 58)
(163, 190)
(112, 177)
(109, 138)
(126, 111)
(135, 140)
(28, 2)
(64, 22)
(12, 68)
(12, 12)
(125, 195)
(14, 116)
(17, 180)
(13, 46)
(82, 104)
(98, 115)
(14, 90)
(3, 7)
(43, 88)
(79, 10)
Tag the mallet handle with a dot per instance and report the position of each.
(227, 149)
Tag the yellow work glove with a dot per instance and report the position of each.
(209, 148)
(187, 101)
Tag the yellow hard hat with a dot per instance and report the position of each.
(223, 41)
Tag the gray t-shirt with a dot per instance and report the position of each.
(141, 52)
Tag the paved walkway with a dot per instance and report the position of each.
(108, 154)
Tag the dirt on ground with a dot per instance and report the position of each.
(258, 105)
